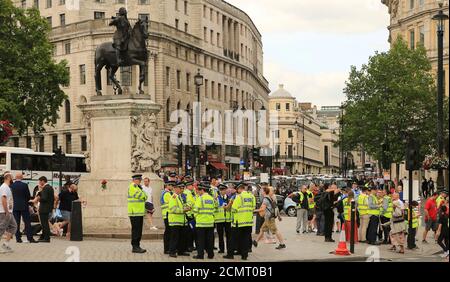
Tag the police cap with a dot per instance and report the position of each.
(137, 177)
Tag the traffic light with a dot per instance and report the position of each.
(179, 154)
(413, 155)
(203, 157)
(385, 160)
(255, 154)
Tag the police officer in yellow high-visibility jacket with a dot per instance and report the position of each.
(411, 239)
(223, 228)
(177, 222)
(363, 206)
(165, 198)
(242, 209)
(136, 212)
(190, 201)
(374, 213)
(204, 222)
(386, 211)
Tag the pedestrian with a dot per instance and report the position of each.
(190, 197)
(320, 219)
(311, 208)
(397, 225)
(65, 199)
(442, 231)
(177, 222)
(204, 221)
(386, 210)
(8, 224)
(46, 198)
(21, 197)
(347, 203)
(149, 206)
(269, 211)
(374, 219)
(136, 212)
(363, 207)
(424, 187)
(327, 201)
(430, 217)
(301, 198)
(166, 195)
(430, 186)
(223, 228)
(233, 245)
(259, 197)
(411, 238)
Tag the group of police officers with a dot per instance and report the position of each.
(191, 211)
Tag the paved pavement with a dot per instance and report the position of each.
(308, 247)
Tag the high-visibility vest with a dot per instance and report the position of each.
(311, 204)
(176, 213)
(204, 211)
(363, 204)
(347, 209)
(373, 211)
(136, 200)
(190, 201)
(439, 201)
(299, 205)
(219, 214)
(387, 213)
(165, 198)
(415, 221)
(242, 208)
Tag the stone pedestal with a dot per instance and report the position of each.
(123, 139)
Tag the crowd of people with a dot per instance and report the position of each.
(45, 212)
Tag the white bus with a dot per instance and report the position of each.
(36, 164)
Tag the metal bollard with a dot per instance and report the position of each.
(352, 226)
(76, 225)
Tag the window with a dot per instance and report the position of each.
(99, 15)
(168, 144)
(204, 11)
(54, 142)
(177, 51)
(41, 144)
(411, 4)
(186, 27)
(67, 48)
(290, 135)
(54, 49)
(126, 74)
(82, 74)
(188, 82)
(144, 17)
(24, 4)
(213, 90)
(277, 133)
(288, 107)
(219, 91)
(176, 5)
(185, 7)
(422, 35)
(28, 142)
(205, 34)
(212, 37)
(421, 2)
(218, 39)
(178, 79)
(49, 20)
(177, 21)
(67, 110)
(83, 144)
(167, 76)
(278, 106)
(62, 19)
(48, 4)
(68, 143)
(15, 141)
(68, 82)
(326, 158)
(36, 4)
(412, 43)
(225, 90)
(143, 2)
(62, 2)
(168, 110)
(195, 58)
(218, 17)
(211, 14)
(206, 88)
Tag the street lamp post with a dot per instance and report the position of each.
(198, 80)
(440, 18)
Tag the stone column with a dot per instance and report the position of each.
(152, 76)
(123, 137)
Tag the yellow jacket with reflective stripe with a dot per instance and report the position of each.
(136, 200)
(299, 205)
(165, 198)
(363, 204)
(219, 214)
(311, 202)
(373, 207)
(190, 201)
(243, 206)
(390, 208)
(439, 201)
(347, 209)
(415, 222)
(176, 213)
(204, 211)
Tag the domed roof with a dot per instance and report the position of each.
(281, 93)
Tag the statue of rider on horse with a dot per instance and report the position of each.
(122, 34)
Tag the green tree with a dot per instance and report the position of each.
(391, 97)
(30, 93)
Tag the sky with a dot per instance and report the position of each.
(309, 45)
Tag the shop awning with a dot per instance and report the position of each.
(220, 166)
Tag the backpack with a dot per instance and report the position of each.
(275, 212)
(324, 201)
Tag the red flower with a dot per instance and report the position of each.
(104, 182)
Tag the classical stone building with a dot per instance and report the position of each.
(211, 36)
(412, 19)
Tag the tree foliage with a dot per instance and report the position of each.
(30, 93)
(391, 97)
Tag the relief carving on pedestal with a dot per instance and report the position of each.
(87, 125)
(145, 149)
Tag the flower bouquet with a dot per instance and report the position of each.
(103, 183)
(435, 162)
(6, 130)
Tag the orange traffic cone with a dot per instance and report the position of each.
(342, 246)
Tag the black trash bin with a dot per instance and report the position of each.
(76, 224)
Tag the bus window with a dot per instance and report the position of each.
(80, 165)
(42, 163)
(70, 165)
(21, 162)
(3, 158)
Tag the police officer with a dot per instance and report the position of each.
(374, 213)
(177, 222)
(204, 221)
(136, 212)
(242, 209)
(220, 217)
(232, 245)
(386, 211)
(189, 198)
(165, 198)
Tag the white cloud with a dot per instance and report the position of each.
(321, 89)
(330, 16)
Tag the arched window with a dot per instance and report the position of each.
(67, 110)
(168, 110)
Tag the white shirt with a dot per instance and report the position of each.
(148, 191)
(5, 191)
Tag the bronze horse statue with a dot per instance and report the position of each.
(136, 54)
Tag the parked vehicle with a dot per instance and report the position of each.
(289, 207)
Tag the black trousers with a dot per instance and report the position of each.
(45, 226)
(259, 223)
(223, 228)
(244, 233)
(26, 219)
(329, 218)
(137, 222)
(166, 238)
(177, 239)
(205, 240)
(411, 239)
(320, 222)
(233, 245)
(189, 232)
(372, 229)
(443, 241)
(386, 229)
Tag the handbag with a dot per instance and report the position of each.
(149, 206)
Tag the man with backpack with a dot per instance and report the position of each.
(269, 211)
(327, 202)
